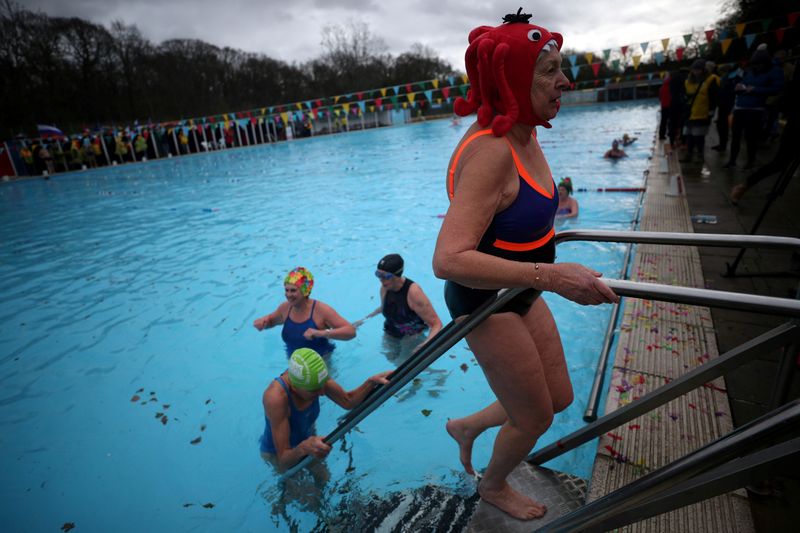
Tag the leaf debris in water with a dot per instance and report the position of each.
(208, 505)
(188, 504)
(197, 440)
(426, 412)
(202, 427)
(164, 420)
(67, 526)
(135, 398)
(464, 367)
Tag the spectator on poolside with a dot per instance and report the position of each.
(291, 407)
(498, 233)
(120, 149)
(677, 91)
(615, 152)
(140, 147)
(406, 308)
(89, 157)
(761, 79)
(306, 323)
(567, 205)
(701, 94)
(47, 159)
(665, 99)
(725, 99)
(787, 149)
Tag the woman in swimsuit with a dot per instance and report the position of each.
(497, 233)
(567, 205)
(306, 323)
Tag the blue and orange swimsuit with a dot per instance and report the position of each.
(292, 335)
(521, 232)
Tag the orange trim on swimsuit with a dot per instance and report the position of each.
(517, 163)
(525, 246)
(451, 175)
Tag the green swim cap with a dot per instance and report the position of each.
(307, 370)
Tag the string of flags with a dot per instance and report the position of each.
(612, 63)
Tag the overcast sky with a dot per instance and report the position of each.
(291, 30)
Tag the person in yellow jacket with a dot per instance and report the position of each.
(701, 97)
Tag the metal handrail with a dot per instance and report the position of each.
(655, 237)
(685, 239)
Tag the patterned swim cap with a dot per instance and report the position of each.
(307, 370)
(302, 279)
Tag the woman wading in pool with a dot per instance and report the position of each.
(498, 232)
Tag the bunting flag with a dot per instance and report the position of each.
(411, 96)
(765, 23)
(595, 68)
(299, 105)
(464, 78)
(749, 38)
(779, 35)
(665, 43)
(644, 47)
(687, 38)
(378, 101)
(709, 36)
(606, 54)
(575, 72)
(740, 28)
(346, 108)
(452, 80)
(636, 60)
(624, 50)
(446, 92)
(703, 47)
(383, 91)
(408, 87)
(659, 57)
(615, 64)
(359, 95)
(429, 95)
(726, 43)
(589, 56)
(792, 17)
(285, 117)
(679, 53)
(571, 58)
(435, 84)
(722, 34)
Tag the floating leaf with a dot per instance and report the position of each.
(153, 399)
(164, 420)
(208, 505)
(165, 406)
(159, 415)
(140, 390)
(208, 401)
(135, 398)
(202, 427)
(426, 412)
(188, 504)
(417, 382)
(67, 526)
(464, 367)
(197, 440)
(152, 393)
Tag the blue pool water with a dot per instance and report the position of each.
(143, 281)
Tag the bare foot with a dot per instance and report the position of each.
(458, 430)
(512, 502)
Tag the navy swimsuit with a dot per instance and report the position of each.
(401, 320)
(301, 423)
(521, 232)
(292, 335)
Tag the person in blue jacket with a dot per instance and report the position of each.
(761, 80)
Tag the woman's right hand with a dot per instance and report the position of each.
(315, 446)
(580, 284)
(260, 323)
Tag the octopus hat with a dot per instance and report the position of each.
(500, 62)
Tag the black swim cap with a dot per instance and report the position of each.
(391, 263)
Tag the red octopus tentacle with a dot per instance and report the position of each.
(502, 123)
(485, 112)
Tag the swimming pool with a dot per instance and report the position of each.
(128, 296)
